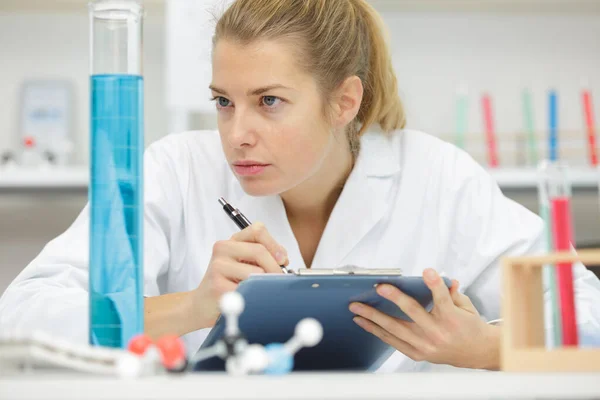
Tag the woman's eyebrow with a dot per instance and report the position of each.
(264, 89)
(216, 89)
(252, 92)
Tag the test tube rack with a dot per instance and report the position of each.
(523, 340)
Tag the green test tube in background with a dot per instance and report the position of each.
(529, 126)
(462, 112)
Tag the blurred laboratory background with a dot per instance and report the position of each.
(504, 79)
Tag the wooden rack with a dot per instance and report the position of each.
(523, 339)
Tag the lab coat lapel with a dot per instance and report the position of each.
(363, 203)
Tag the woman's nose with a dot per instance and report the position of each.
(241, 132)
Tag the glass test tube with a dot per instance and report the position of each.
(462, 115)
(116, 175)
(552, 310)
(559, 193)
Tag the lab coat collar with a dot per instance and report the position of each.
(380, 154)
(364, 201)
(362, 204)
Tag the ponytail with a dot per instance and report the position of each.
(381, 102)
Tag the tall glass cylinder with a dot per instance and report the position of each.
(116, 175)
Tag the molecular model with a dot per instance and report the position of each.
(243, 358)
(145, 357)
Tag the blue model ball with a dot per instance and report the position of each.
(280, 361)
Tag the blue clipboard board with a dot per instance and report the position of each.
(276, 303)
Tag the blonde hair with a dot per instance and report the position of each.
(336, 39)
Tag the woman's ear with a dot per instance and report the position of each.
(346, 101)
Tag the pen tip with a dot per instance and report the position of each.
(222, 201)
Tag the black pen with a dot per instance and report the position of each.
(241, 221)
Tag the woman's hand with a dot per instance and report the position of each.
(452, 333)
(250, 251)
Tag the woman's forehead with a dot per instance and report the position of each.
(257, 64)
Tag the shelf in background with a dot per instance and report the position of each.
(526, 178)
(78, 178)
(50, 178)
(155, 7)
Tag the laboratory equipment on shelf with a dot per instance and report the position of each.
(30, 153)
(116, 176)
(45, 123)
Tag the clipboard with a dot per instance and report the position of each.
(276, 303)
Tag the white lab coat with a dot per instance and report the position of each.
(411, 202)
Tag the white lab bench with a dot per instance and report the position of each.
(347, 386)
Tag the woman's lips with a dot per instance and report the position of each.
(249, 169)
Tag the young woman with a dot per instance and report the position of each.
(311, 143)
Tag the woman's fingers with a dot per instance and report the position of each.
(257, 233)
(249, 253)
(409, 306)
(441, 295)
(385, 336)
(234, 271)
(460, 299)
(455, 286)
(394, 326)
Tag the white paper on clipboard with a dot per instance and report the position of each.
(190, 28)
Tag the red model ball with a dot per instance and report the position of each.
(172, 351)
(139, 344)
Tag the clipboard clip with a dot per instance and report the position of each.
(348, 270)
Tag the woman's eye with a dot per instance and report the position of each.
(223, 102)
(270, 101)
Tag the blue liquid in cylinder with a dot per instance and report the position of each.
(116, 209)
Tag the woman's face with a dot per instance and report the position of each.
(270, 116)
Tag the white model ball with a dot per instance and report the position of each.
(151, 361)
(232, 304)
(233, 366)
(309, 332)
(254, 359)
(152, 355)
(129, 366)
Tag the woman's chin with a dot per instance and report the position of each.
(257, 188)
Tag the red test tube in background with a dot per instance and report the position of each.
(488, 118)
(562, 235)
(588, 111)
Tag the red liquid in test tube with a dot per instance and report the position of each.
(588, 110)
(489, 130)
(562, 233)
